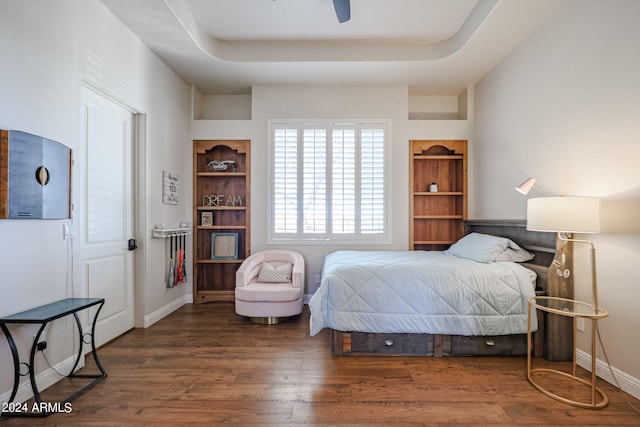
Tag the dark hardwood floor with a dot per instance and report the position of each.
(204, 365)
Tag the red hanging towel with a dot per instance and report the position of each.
(179, 278)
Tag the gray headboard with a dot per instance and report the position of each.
(542, 244)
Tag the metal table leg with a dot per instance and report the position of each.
(16, 361)
(98, 377)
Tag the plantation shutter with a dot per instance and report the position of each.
(285, 180)
(343, 179)
(329, 182)
(372, 173)
(314, 181)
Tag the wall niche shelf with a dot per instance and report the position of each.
(436, 217)
(221, 217)
(439, 107)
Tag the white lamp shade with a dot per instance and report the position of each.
(564, 214)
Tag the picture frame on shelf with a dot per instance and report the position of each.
(224, 246)
(206, 219)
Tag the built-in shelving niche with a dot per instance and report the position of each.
(439, 107)
(221, 107)
(421, 107)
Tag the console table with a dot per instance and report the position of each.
(43, 315)
(575, 309)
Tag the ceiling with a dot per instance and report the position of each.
(435, 47)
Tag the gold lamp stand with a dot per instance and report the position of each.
(575, 309)
(565, 215)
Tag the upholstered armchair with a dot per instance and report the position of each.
(270, 285)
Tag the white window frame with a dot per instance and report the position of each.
(299, 236)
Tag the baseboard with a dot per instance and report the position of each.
(163, 312)
(44, 379)
(627, 383)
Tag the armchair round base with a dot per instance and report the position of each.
(265, 320)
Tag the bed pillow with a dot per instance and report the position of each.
(515, 253)
(487, 248)
(273, 273)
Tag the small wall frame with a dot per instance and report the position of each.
(224, 246)
(170, 188)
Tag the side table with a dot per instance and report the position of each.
(43, 315)
(575, 309)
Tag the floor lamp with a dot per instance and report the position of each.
(566, 215)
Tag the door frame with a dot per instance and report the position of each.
(139, 149)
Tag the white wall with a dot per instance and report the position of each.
(565, 108)
(47, 49)
(388, 102)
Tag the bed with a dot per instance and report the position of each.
(468, 300)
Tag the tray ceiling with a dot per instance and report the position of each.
(436, 47)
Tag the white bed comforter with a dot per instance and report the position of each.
(421, 292)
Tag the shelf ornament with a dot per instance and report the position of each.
(217, 200)
(221, 165)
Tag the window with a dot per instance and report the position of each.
(328, 182)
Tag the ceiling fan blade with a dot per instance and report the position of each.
(343, 10)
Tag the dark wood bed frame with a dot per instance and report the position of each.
(542, 244)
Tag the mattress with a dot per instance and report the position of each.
(421, 292)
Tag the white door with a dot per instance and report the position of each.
(108, 217)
